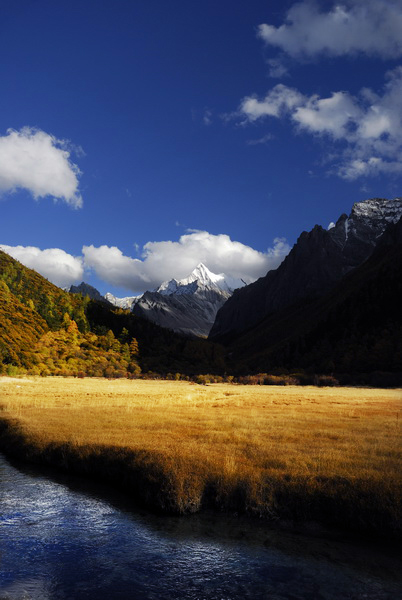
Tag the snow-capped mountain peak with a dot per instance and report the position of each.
(358, 233)
(377, 213)
(188, 305)
(378, 208)
(201, 278)
(126, 303)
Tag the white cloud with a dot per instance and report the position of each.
(167, 259)
(40, 163)
(55, 264)
(277, 102)
(160, 261)
(366, 129)
(268, 137)
(111, 265)
(331, 116)
(371, 27)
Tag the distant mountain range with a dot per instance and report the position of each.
(187, 306)
(127, 302)
(88, 290)
(333, 307)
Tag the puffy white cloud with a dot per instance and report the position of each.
(331, 116)
(55, 264)
(371, 27)
(167, 259)
(277, 102)
(366, 129)
(40, 163)
(111, 265)
(160, 261)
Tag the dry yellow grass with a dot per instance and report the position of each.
(331, 454)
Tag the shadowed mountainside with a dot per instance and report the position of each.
(356, 327)
(317, 262)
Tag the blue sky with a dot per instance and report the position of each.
(140, 138)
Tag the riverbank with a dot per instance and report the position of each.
(64, 536)
(329, 455)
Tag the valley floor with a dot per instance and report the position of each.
(296, 454)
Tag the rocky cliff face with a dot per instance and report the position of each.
(318, 261)
(189, 305)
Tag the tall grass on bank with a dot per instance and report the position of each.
(331, 455)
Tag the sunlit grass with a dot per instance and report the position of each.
(331, 454)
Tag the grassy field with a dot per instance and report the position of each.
(331, 455)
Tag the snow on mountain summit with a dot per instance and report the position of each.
(358, 233)
(379, 208)
(201, 278)
(126, 303)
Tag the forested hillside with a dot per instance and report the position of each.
(48, 331)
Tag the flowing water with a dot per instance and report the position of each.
(62, 538)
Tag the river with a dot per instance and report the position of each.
(62, 538)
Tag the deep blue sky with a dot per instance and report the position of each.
(147, 92)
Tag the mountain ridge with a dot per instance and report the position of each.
(355, 328)
(316, 263)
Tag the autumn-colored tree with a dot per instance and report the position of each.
(134, 349)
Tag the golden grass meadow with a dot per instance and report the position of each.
(286, 453)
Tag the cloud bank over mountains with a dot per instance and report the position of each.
(159, 261)
(167, 259)
(365, 128)
(38, 162)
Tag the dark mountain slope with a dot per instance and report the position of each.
(318, 260)
(357, 327)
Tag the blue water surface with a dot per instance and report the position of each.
(62, 538)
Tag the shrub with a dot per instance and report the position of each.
(325, 381)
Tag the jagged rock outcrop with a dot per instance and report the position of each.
(316, 263)
(87, 290)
